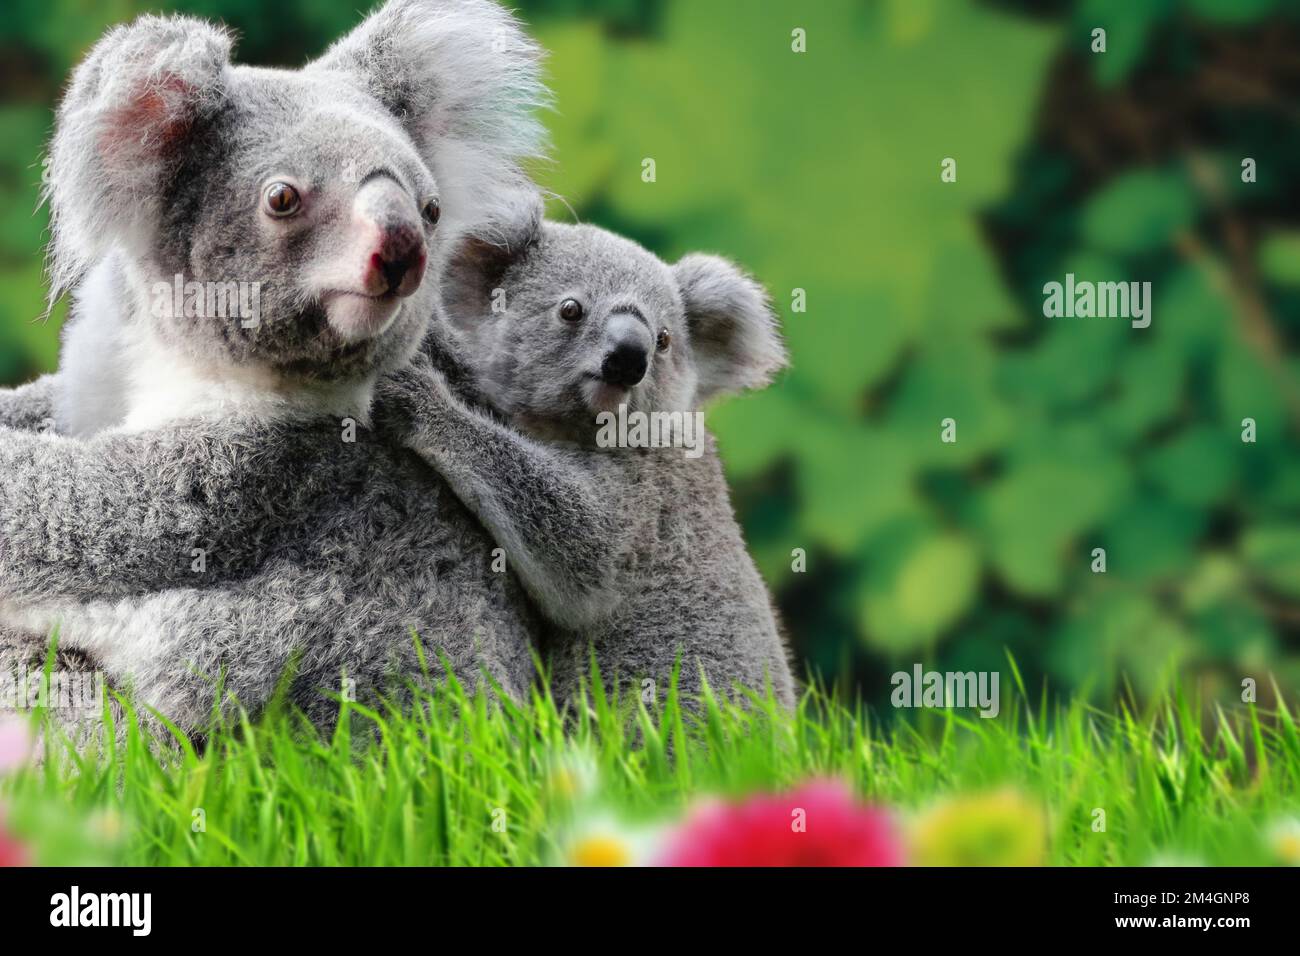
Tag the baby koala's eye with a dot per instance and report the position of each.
(664, 340)
(282, 200)
(571, 310)
(431, 212)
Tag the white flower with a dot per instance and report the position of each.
(603, 840)
(574, 776)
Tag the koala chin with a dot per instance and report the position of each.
(249, 251)
(630, 548)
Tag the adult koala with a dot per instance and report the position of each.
(215, 517)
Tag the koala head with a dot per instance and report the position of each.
(327, 187)
(562, 322)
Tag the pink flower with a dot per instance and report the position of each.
(15, 742)
(12, 851)
(818, 825)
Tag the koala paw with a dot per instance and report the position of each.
(403, 400)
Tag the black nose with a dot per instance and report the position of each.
(395, 270)
(625, 366)
(401, 255)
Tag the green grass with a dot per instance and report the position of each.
(455, 780)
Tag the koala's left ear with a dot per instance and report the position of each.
(465, 81)
(733, 330)
(130, 117)
(474, 264)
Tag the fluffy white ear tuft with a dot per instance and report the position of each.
(734, 334)
(466, 82)
(121, 128)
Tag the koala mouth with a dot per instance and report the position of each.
(355, 316)
(603, 396)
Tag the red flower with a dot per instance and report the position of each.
(818, 825)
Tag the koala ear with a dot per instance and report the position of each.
(733, 330)
(473, 268)
(464, 80)
(123, 126)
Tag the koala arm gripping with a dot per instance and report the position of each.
(440, 350)
(29, 407)
(553, 516)
(120, 514)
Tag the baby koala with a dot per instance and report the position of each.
(595, 474)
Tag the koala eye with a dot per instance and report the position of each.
(431, 212)
(282, 200)
(571, 310)
(664, 340)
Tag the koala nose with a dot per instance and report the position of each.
(627, 341)
(400, 259)
(388, 222)
(626, 365)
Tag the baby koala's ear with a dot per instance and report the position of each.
(473, 268)
(124, 125)
(465, 81)
(733, 330)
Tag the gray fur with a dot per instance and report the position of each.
(226, 437)
(464, 78)
(29, 407)
(634, 553)
(335, 552)
(460, 75)
(325, 555)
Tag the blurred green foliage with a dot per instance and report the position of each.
(820, 171)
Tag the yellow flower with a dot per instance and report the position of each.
(600, 849)
(1004, 828)
(1284, 841)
